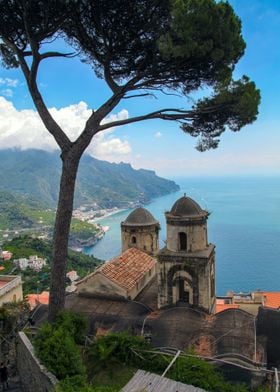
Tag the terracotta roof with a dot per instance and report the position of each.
(220, 307)
(35, 299)
(127, 269)
(272, 299)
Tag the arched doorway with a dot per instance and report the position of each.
(182, 291)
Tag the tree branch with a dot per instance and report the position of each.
(109, 80)
(140, 95)
(57, 54)
(164, 114)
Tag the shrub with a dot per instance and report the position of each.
(116, 348)
(202, 374)
(59, 352)
(56, 345)
(77, 383)
(74, 323)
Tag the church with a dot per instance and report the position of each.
(181, 273)
(167, 295)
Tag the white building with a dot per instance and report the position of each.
(34, 262)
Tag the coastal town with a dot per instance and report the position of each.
(180, 276)
(140, 196)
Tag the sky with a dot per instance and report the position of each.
(71, 91)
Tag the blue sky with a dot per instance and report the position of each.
(71, 90)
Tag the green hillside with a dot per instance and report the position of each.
(35, 174)
(25, 246)
(23, 215)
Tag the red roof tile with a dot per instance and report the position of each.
(35, 299)
(271, 299)
(220, 307)
(127, 269)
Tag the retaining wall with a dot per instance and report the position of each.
(33, 375)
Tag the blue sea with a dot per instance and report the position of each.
(244, 224)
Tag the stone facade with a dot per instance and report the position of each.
(140, 230)
(186, 266)
(33, 375)
(98, 285)
(187, 277)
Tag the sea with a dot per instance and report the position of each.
(244, 224)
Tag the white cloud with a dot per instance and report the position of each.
(158, 135)
(24, 129)
(9, 82)
(7, 92)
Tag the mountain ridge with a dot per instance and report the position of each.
(36, 173)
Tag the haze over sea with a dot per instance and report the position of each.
(244, 225)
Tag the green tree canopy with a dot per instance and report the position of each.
(139, 48)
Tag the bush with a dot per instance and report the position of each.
(56, 345)
(74, 323)
(202, 374)
(116, 348)
(77, 383)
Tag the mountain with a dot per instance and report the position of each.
(35, 174)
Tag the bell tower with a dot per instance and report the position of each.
(186, 266)
(140, 230)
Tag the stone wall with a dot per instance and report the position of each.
(34, 376)
(99, 284)
(196, 237)
(144, 238)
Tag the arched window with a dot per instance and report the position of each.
(182, 241)
(133, 239)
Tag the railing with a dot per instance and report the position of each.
(16, 281)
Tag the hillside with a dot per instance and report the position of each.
(23, 215)
(35, 174)
(25, 246)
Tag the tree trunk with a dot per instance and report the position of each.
(70, 166)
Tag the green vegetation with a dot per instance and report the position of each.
(104, 183)
(19, 214)
(82, 231)
(25, 246)
(111, 360)
(56, 345)
(16, 211)
(33, 281)
(8, 267)
(11, 314)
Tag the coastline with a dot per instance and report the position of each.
(106, 215)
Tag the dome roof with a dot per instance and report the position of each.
(140, 216)
(185, 206)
